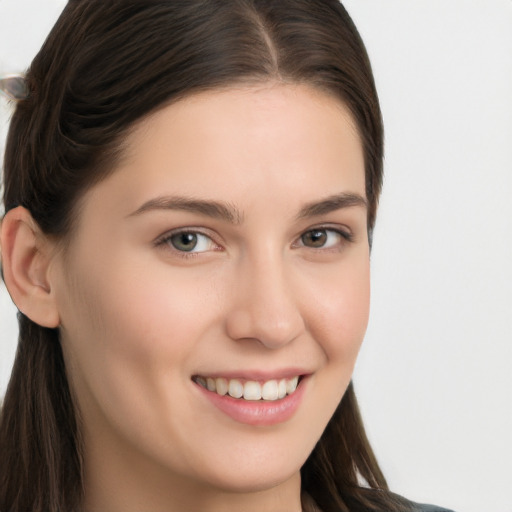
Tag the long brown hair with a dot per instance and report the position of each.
(106, 65)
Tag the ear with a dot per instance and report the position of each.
(26, 257)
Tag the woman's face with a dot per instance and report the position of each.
(228, 250)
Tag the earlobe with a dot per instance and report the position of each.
(26, 258)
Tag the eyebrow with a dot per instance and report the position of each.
(331, 204)
(214, 209)
(228, 212)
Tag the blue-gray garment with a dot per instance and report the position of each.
(418, 507)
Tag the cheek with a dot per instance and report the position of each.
(340, 317)
(337, 321)
(132, 336)
(133, 308)
(128, 331)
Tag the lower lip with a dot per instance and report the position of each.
(257, 412)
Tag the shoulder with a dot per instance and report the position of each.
(412, 506)
(418, 507)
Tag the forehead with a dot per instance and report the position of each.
(250, 108)
(271, 142)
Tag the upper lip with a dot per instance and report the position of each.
(256, 375)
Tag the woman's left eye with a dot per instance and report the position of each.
(323, 238)
(188, 242)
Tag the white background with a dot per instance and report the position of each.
(433, 378)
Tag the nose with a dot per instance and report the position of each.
(264, 306)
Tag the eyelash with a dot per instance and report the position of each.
(346, 237)
(165, 240)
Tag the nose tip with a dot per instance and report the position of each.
(265, 309)
(272, 331)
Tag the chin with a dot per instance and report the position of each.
(258, 479)
(254, 470)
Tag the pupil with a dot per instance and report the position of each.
(184, 241)
(315, 238)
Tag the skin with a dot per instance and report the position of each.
(138, 318)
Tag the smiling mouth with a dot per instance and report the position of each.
(270, 390)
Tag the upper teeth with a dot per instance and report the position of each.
(250, 390)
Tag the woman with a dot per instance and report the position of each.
(190, 192)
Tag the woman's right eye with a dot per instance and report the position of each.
(188, 242)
